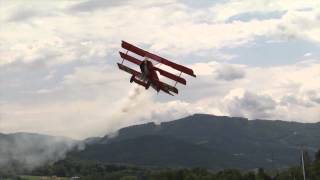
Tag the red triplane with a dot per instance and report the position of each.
(148, 75)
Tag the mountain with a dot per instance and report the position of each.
(29, 150)
(209, 141)
(200, 140)
(152, 149)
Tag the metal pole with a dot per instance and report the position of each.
(303, 169)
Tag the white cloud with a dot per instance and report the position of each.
(231, 8)
(58, 63)
(168, 27)
(94, 101)
(308, 54)
(251, 105)
(221, 71)
(268, 93)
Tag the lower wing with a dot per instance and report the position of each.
(166, 87)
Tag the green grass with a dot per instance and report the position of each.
(39, 177)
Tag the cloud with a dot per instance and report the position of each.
(167, 27)
(314, 96)
(97, 100)
(231, 8)
(308, 21)
(251, 105)
(309, 98)
(221, 71)
(307, 54)
(58, 71)
(91, 5)
(26, 13)
(92, 75)
(94, 5)
(229, 73)
(249, 16)
(22, 15)
(264, 92)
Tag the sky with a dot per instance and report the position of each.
(58, 73)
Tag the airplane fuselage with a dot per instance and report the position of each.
(149, 75)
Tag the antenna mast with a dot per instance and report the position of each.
(303, 169)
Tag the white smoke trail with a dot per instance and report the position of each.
(27, 151)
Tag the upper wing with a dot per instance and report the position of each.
(171, 64)
(162, 60)
(133, 48)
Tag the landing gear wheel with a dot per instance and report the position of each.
(131, 79)
(148, 85)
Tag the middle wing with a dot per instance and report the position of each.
(171, 76)
(130, 58)
(163, 86)
(129, 70)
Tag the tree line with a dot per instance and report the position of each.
(95, 170)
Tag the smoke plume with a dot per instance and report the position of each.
(25, 151)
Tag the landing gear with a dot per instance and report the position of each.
(148, 85)
(132, 78)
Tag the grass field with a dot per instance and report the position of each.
(44, 178)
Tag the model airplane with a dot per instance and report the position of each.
(148, 75)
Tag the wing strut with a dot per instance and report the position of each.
(123, 57)
(177, 81)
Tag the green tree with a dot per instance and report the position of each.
(229, 175)
(318, 155)
(128, 178)
(249, 176)
(261, 175)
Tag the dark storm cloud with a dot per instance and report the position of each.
(252, 105)
(230, 73)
